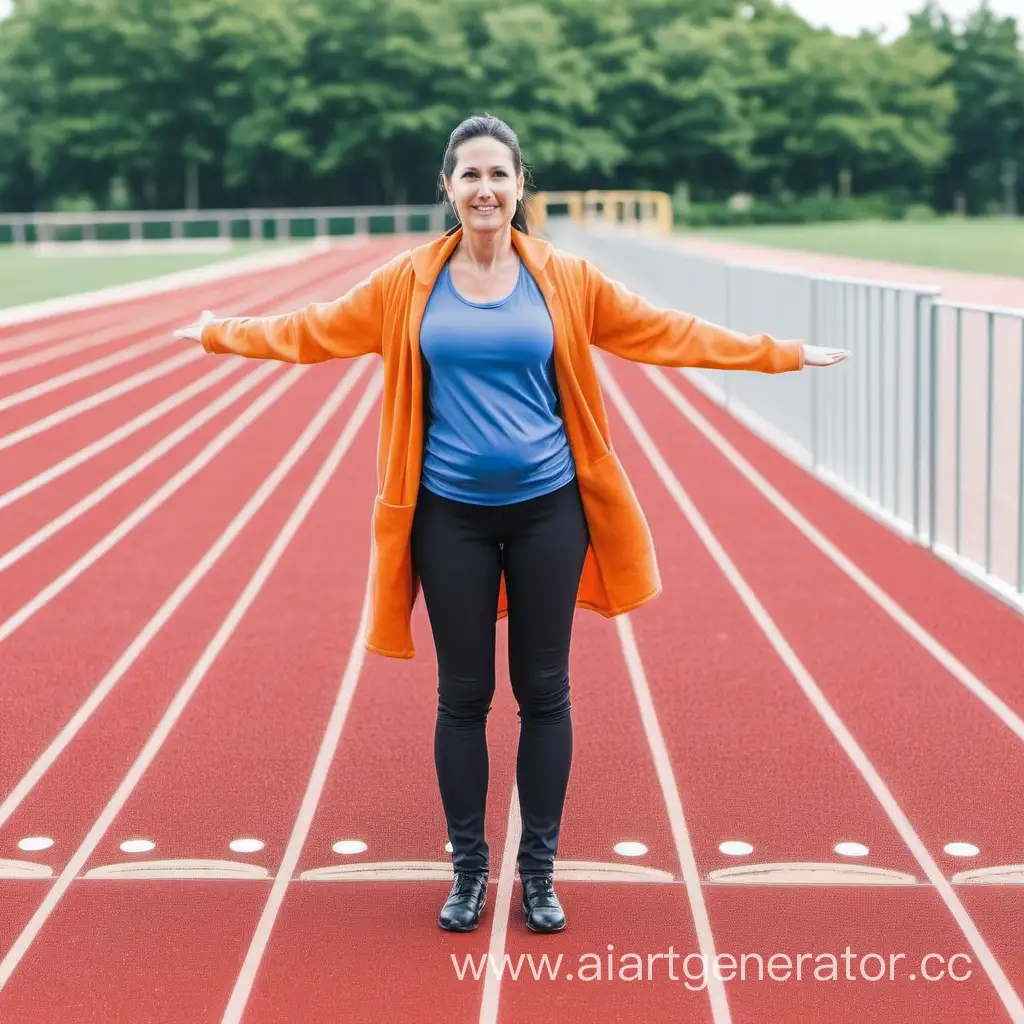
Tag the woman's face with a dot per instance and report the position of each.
(484, 186)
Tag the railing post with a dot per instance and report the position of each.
(724, 377)
(815, 381)
(990, 401)
(917, 453)
(1020, 472)
(933, 426)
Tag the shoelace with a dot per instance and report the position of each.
(544, 887)
(464, 883)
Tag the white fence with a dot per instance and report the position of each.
(240, 225)
(923, 426)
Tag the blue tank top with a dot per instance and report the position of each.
(494, 433)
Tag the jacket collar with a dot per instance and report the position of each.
(428, 259)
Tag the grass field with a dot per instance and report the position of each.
(991, 246)
(25, 277)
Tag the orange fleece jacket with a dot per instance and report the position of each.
(382, 315)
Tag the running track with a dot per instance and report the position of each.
(185, 543)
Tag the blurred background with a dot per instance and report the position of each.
(821, 110)
(824, 169)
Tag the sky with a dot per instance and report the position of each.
(848, 17)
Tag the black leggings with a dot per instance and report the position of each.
(459, 552)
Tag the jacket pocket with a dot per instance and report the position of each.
(392, 532)
(601, 479)
(621, 541)
(393, 587)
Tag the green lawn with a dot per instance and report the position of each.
(28, 278)
(990, 245)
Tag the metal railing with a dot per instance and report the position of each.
(976, 449)
(923, 426)
(248, 224)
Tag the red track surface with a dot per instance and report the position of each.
(192, 687)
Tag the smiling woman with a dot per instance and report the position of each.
(499, 489)
(484, 180)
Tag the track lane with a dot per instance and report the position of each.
(79, 534)
(381, 789)
(22, 450)
(55, 391)
(126, 439)
(790, 764)
(925, 729)
(49, 562)
(614, 796)
(15, 339)
(369, 950)
(31, 526)
(211, 702)
(23, 369)
(69, 642)
(153, 312)
(957, 611)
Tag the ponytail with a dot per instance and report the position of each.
(519, 221)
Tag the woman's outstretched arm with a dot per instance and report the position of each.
(346, 327)
(629, 326)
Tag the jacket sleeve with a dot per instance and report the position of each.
(343, 328)
(629, 326)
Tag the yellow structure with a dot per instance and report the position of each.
(642, 210)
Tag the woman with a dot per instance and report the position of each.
(498, 490)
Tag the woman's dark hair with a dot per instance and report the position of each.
(474, 128)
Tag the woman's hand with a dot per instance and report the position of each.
(194, 331)
(815, 355)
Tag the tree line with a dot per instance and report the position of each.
(130, 103)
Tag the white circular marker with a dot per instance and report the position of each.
(851, 849)
(35, 843)
(246, 845)
(735, 848)
(349, 846)
(961, 849)
(630, 849)
(449, 848)
(137, 846)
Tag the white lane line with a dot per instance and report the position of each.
(325, 755)
(491, 995)
(895, 611)
(108, 394)
(110, 323)
(677, 819)
(154, 501)
(90, 451)
(984, 956)
(60, 348)
(177, 598)
(177, 706)
(88, 370)
(152, 373)
(161, 448)
(73, 347)
(54, 332)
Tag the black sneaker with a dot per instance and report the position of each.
(543, 911)
(461, 911)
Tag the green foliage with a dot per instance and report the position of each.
(802, 210)
(302, 102)
(985, 70)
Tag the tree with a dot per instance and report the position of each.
(986, 71)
